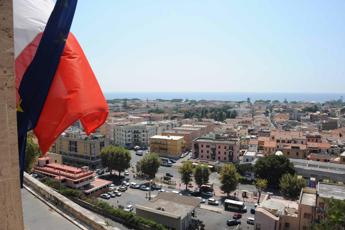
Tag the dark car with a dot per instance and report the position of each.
(195, 193)
(237, 216)
(252, 211)
(169, 175)
(233, 222)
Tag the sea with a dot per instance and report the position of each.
(227, 96)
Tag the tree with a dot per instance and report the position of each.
(261, 184)
(334, 215)
(201, 174)
(186, 171)
(32, 152)
(115, 158)
(272, 168)
(291, 185)
(229, 178)
(149, 164)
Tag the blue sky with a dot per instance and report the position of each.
(227, 46)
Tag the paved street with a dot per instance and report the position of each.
(38, 216)
(214, 217)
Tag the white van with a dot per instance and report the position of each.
(250, 220)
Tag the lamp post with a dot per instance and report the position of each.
(150, 190)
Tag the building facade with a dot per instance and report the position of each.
(78, 149)
(216, 148)
(167, 146)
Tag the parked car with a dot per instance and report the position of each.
(112, 194)
(251, 220)
(233, 222)
(195, 193)
(212, 201)
(129, 208)
(237, 216)
(126, 173)
(252, 211)
(134, 185)
(122, 189)
(156, 186)
(139, 152)
(169, 175)
(144, 188)
(105, 196)
(117, 193)
(125, 183)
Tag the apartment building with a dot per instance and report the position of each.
(278, 213)
(78, 149)
(130, 135)
(167, 146)
(138, 134)
(215, 147)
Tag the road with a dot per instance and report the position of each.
(211, 219)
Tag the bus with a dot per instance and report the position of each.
(234, 205)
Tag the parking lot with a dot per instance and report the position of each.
(214, 217)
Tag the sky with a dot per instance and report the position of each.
(214, 46)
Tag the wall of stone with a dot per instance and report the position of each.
(11, 214)
(83, 215)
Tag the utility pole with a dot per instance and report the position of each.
(11, 216)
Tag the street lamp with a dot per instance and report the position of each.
(150, 190)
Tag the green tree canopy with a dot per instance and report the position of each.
(229, 178)
(115, 158)
(334, 215)
(32, 152)
(186, 171)
(201, 174)
(291, 185)
(272, 168)
(260, 184)
(149, 164)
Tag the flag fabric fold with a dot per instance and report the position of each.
(55, 83)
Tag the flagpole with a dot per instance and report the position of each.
(10, 196)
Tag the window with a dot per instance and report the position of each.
(307, 216)
(225, 158)
(202, 151)
(202, 146)
(287, 225)
(207, 146)
(224, 147)
(72, 146)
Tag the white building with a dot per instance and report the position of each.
(249, 156)
(130, 135)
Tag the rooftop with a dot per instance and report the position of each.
(308, 197)
(167, 137)
(331, 190)
(280, 206)
(171, 204)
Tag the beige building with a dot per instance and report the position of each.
(277, 213)
(187, 137)
(78, 149)
(167, 146)
(170, 209)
